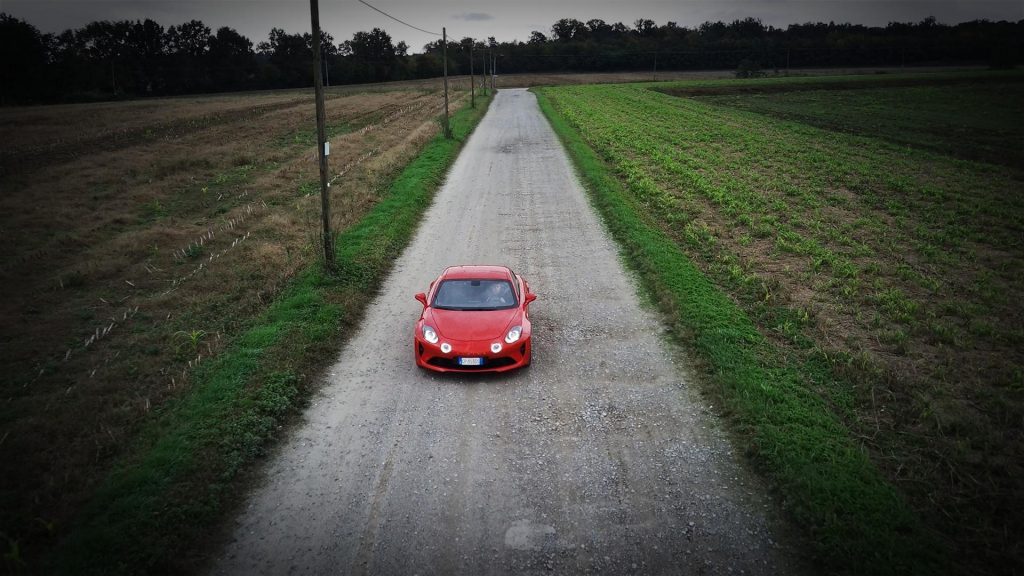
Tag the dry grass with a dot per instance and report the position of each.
(155, 234)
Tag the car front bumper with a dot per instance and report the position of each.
(511, 356)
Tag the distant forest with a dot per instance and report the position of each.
(105, 60)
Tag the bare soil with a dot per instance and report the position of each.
(142, 236)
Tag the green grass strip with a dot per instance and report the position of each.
(173, 486)
(856, 520)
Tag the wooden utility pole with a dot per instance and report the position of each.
(444, 39)
(321, 139)
(655, 78)
(494, 74)
(483, 74)
(472, 80)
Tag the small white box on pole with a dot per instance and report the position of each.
(327, 148)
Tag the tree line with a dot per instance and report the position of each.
(104, 60)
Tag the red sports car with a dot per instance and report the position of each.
(475, 318)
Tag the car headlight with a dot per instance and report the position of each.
(429, 334)
(513, 334)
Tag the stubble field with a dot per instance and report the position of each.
(142, 237)
(875, 236)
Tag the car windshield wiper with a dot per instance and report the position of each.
(475, 308)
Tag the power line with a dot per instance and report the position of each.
(397, 20)
(444, 36)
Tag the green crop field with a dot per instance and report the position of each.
(975, 122)
(874, 237)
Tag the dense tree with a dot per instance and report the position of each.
(372, 46)
(645, 28)
(187, 48)
(23, 59)
(130, 58)
(599, 29)
(189, 39)
(232, 60)
(569, 29)
(372, 55)
(143, 58)
(290, 57)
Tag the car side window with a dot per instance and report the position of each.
(515, 284)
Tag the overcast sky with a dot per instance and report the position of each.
(505, 20)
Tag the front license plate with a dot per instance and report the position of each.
(471, 361)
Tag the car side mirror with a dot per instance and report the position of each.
(530, 297)
(422, 298)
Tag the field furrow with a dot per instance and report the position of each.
(900, 268)
(132, 265)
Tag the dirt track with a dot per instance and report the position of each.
(598, 458)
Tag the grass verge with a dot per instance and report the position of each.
(857, 522)
(152, 512)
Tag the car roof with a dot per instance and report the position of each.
(476, 273)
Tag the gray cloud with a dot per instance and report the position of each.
(474, 16)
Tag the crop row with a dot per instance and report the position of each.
(899, 268)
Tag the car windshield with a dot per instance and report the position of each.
(475, 295)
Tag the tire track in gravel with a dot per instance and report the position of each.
(598, 458)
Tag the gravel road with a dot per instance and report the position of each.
(597, 458)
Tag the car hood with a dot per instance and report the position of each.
(472, 324)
